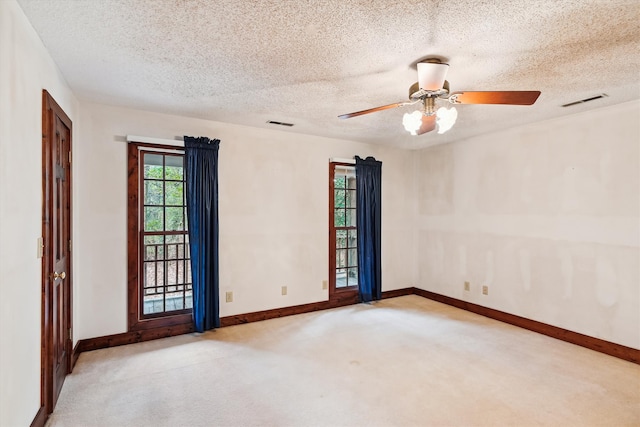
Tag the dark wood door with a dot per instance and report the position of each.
(60, 241)
(57, 250)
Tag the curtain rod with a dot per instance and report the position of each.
(149, 140)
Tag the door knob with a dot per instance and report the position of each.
(57, 275)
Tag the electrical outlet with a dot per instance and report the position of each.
(284, 290)
(467, 286)
(485, 290)
(325, 285)
(229, 297)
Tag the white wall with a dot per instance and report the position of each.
(546, 215)
(273, 193)
(25, 69)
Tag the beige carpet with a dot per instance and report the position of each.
(405, 361)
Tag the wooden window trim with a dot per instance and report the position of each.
(345, 292)
(136, 320)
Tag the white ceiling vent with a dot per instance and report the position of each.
(582, 101)
(273, 122)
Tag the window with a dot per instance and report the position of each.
(343, 251)
(160, 291)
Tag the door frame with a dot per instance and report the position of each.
(51, 110)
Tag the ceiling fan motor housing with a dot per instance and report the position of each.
(431, 75)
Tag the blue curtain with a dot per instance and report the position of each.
(368, 224)
(201, 155)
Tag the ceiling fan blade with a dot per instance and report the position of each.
(373, 110)
(428, 124)
(514, 97)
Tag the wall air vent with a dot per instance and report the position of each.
(273, 122)
(582, 101)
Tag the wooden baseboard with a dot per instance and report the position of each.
(132, 337)
(304, 308)
(398, 293)
(285, 311)
(602, 346)
(74, 356)
(41, 418)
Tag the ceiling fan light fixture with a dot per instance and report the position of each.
(431, 87)
(446, 118)
(412, 122)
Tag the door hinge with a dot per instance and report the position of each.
(69, 333)
(69, 245)
(69, 157)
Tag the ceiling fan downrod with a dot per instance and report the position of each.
(429, 104)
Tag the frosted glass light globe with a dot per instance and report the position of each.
(412, 122)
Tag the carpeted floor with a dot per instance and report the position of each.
(404, 361)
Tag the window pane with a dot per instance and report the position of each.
(173, 193)
(172, 274)
(352, 261)
(351, 182)
(153, 166)
(350, 218)
(175, 219)
(153, 194)
(153, 220)
(341, 258)
(189, 299)
(350, 196)
(175, 238)
(339, 182)
(150, 252)
(153, 247)
(352, 276)
(352, 238)
(181, 278)
(341, 277)
(339, 217)
(339, 198)
(160, 276)
(153, 239)
(181, 251)
(172, 251)
(341, 238)
(149, 274)
(174, 301)
(153, 304)
(174, 169)
(152, 294)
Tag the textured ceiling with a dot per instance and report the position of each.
(306, 62)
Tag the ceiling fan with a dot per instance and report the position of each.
(431, 87)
